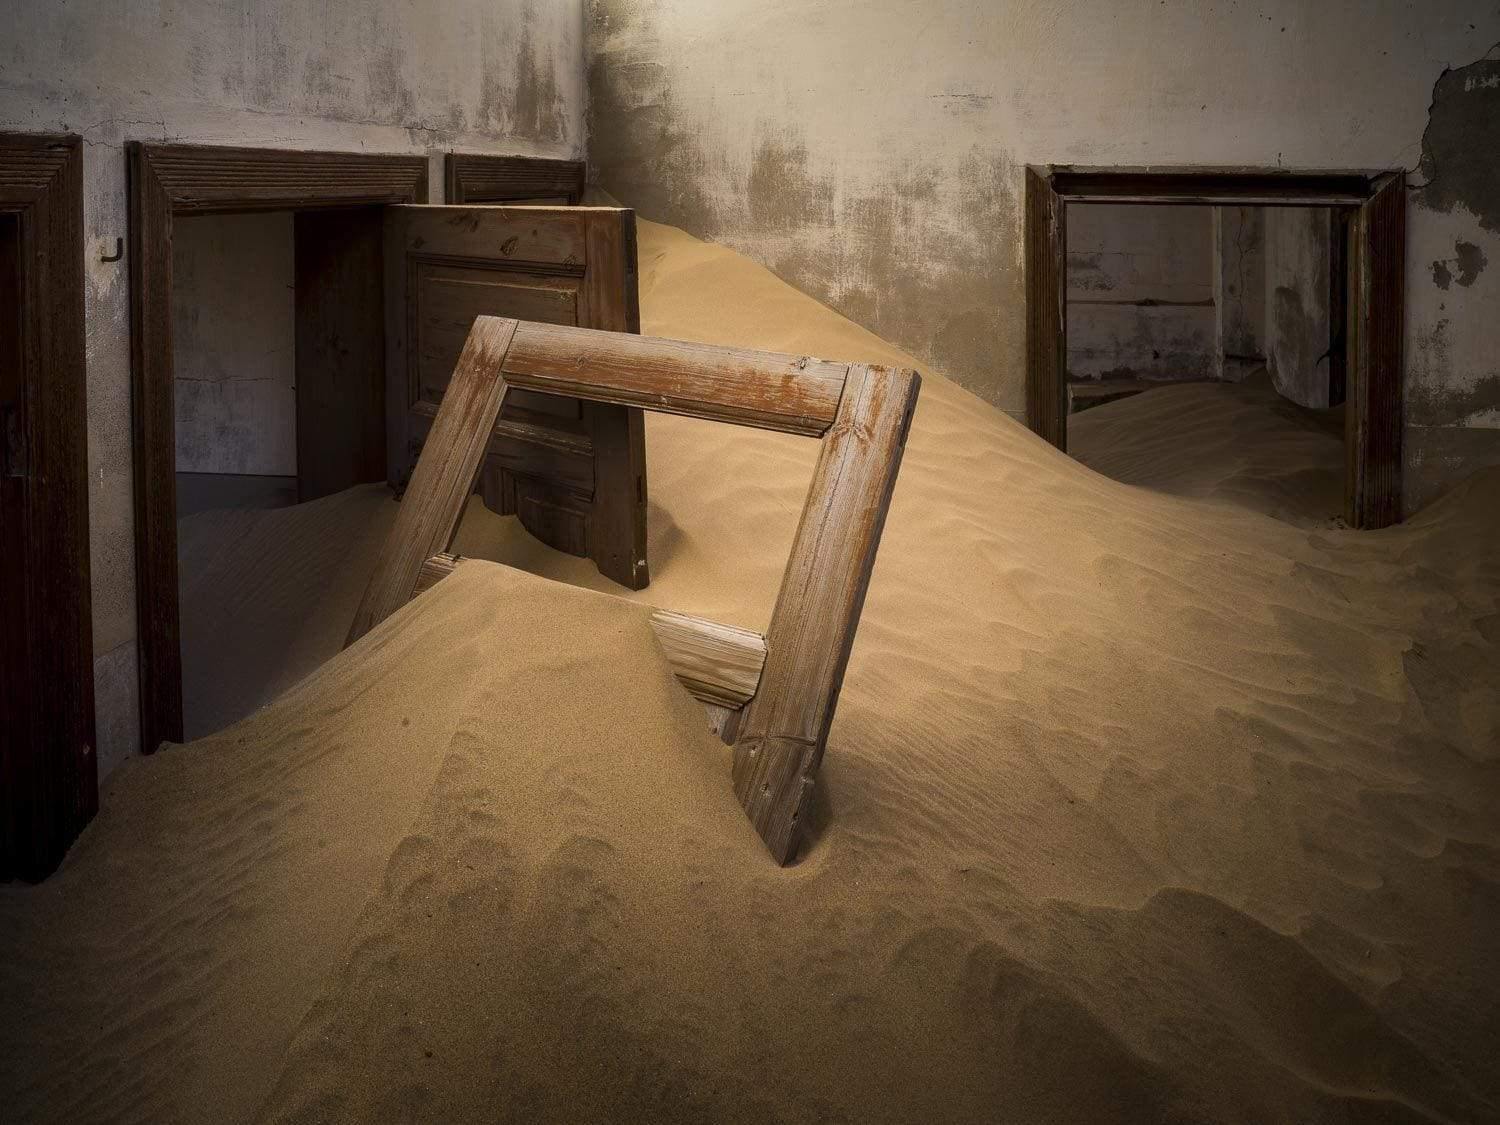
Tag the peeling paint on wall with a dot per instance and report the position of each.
(1453, 347)
(1467, 262)
(1462, 139)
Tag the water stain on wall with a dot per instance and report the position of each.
(637, 147)
(926, 255)
(539, 110)
(780, 192)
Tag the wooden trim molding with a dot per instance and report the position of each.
(481, 178)
(860, 413)
(167, 180)
(1374, 308)
(48, 764)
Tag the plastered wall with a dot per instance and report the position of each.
(234, 344)
(1140, 291)
(871, 152)
(1299, 328)
(371, 75)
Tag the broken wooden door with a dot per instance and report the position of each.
(573, 472)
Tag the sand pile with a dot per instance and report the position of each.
(1241, 443)
(1138, 807)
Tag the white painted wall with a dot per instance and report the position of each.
(872, 151)
(234, 344)
(362, 75)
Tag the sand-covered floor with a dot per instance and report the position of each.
(1143, 803)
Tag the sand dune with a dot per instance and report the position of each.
(1142, 804)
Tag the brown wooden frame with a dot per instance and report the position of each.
(535, 459)
(48, 764)
(1376, 253)
(861, 414)
(167, 180)
(479, 178)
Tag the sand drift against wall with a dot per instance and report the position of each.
(1138, 807)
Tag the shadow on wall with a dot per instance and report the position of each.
(921, 256)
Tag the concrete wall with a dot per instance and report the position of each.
(871, 151)
(234, 344)
(1240, 290)
(1140, 291)
(373, 75)
(1299, 333)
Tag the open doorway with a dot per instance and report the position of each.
(1233, 318)
(295, 316)
(48, 767)
(1284, 285)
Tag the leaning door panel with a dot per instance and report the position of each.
(572, 472)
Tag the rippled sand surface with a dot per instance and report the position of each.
(1155, 798)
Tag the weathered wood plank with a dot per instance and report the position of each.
(1046, 316)
(1372, 419)
(719, 664)
(785, 727)
(485, 178)
(793, 394)
(780, 735)
(48, 765)
(444, 476)
(582, 491)
(610, 300)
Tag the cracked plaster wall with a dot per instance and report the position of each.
(377, 76)
(872, 151)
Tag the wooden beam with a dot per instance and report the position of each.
(780, 736)
(785, 727)
(793, 394)
(1046, 310)
(484, 178)
(444, 476)
(1372, 412)
(720, 665)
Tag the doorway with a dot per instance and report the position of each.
(382, 289)
(48, 768)
(1365, 217)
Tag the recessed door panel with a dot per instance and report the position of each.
(572, 472)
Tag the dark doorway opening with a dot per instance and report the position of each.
(48, 768)
(1366, 217)
(362, 293)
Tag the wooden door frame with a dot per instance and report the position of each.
(167, 180)
(48, 764)
(1374, 317)
(480, 178)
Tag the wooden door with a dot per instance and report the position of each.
(48, 770)
(573, 472)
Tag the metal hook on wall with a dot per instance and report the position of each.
(117, 255)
